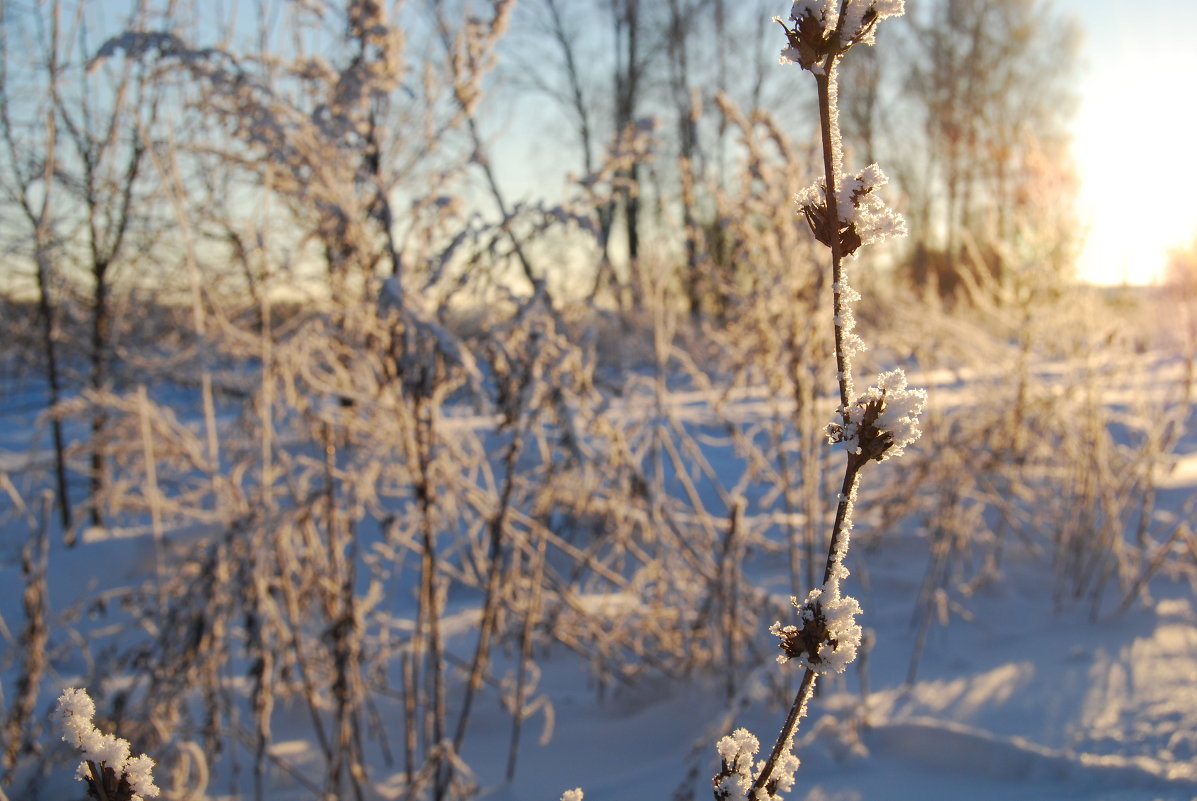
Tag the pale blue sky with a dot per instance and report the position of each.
(1135, 134)
(1135, 130)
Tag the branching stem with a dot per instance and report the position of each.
(838, 547)
(835, 553)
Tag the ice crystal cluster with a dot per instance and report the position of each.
(880, 423)
(862, 217)
(820, 30)
(827, 635)
(106, 751)
(737, 752)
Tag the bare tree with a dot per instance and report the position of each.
(618, 70)
(105, 114)
(991, 82)
(29, 184)
(603, 55)
(631, 61)
(688, 110)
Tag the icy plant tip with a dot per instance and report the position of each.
(822, 28)
(736, 751)
(883, 421)
(827, 635)
(735, 780)
(107, 768)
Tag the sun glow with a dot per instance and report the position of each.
(1134, 140)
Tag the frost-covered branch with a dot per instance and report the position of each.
(844, 213)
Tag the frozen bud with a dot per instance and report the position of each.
(826, 637)
(139, 771)
(74, 708)
(862, 207)
(109, 755)
(819, 30)
(883, 421)
(808, 43)
(736, 752)
(860, 18)
(861, 217)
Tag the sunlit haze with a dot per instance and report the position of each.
(1135, 132)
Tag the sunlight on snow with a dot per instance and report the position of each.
(1144, 690)
(1184, 474)
(960, 698)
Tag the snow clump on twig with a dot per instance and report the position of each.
(737, 751)
(862, 218)
(106, 759)
(827, 637)
(735, 780)
(880, 423)
(819, 30)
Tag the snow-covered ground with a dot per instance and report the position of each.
(1018, 702)
(1018, 693)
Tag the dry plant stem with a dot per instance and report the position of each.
(531, 616)
(843, 514)
(291, 603)
(155, 498)
(96, 783)
(835, 554)
(480, 157)
(729, 567)
(805, 690)
(429, 611)
(838, 547)
(33, 642)
(409, 715)
(341, 612)
(490, 606)
(829, 126)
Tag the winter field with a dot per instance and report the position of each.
(1031, 627)
(462, 399)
